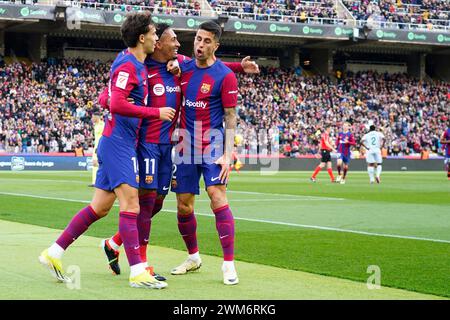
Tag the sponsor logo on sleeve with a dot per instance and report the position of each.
(122, 79)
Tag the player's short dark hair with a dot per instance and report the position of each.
(136, 23)
(372, 128)
(160, 28)
(213, 27)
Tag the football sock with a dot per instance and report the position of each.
(330, 172)
(187, 225)
(225, 229)
(370, 170)
(345, 172)
(137, 269)
(158, 206)
(55, 251)
(378, 170)
(339, 170)
(195, 256)
(144, 222)
(130, 236)
(228, 265)
(114, 241)
(316, 172)
(77, 226)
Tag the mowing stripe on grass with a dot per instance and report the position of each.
(96, 282)
(291, 197)
(257, 220)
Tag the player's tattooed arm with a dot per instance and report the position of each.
(230, 130)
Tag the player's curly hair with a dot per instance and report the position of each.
(136, 23)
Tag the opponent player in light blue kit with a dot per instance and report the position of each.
(118, 174)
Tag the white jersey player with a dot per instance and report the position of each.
(373, 141)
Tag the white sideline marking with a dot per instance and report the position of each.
(288, 195)
(47, 180)
(258, 220)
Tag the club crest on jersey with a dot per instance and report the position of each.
(205, 88)
(148, 179)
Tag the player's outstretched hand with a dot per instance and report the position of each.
(166, 113)
(225, 171)
(249, 66)
(174, 67)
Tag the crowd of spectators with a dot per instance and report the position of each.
(47, 107)
(425, 14)
(181, 7)
(428, 13)
(412, 114)
(278, 10)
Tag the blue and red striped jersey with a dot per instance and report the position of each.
(129, 76)
(344, 142)
(164, 91)
(206, 92)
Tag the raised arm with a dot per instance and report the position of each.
(245, 66)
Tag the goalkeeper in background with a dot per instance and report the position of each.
(99, 124)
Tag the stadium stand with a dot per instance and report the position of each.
(47, 107)
(279, 10)
(177, 7)
(428, 14)
(411, 113)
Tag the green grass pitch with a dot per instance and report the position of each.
(307, 240)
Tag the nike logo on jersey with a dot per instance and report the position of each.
(232, 92)
(224, 236)
(215, 179)
(165, 188)
(183, 83)
(137, 247)
(152, 75)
